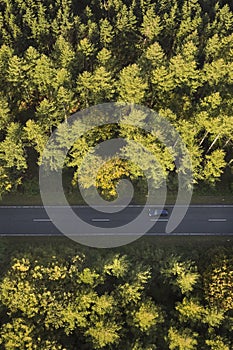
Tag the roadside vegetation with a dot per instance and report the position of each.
(59, 57)
(160, 293)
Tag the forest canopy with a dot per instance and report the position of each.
(57, 295)
(58, 57)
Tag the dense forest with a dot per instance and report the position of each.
(57, 295)
(58, 57)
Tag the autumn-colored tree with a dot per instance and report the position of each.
(54, 303)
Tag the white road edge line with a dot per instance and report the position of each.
(222, 220)
(100, 220)
(158, 219)
(228, 235)
(120, 206)
(42, 220)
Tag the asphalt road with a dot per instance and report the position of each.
(199, 220)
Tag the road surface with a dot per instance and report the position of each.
(199, 220)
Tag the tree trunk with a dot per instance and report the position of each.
(212, 144)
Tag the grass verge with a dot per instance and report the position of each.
(76, 199)
(188, 246)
